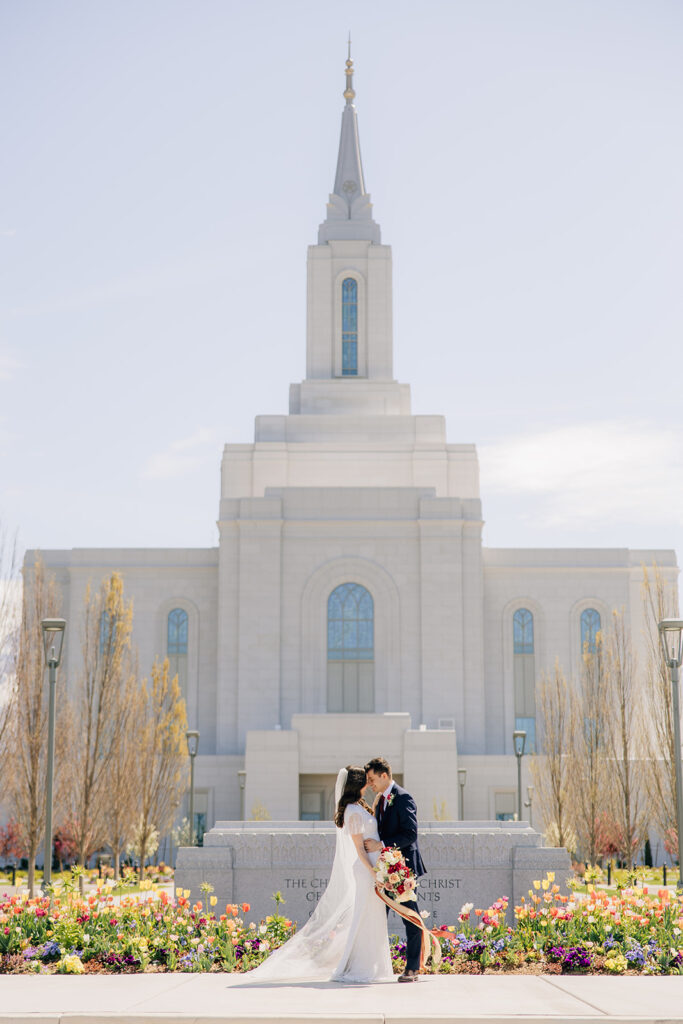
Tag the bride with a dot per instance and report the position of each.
(345, 939)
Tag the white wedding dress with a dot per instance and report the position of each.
(366, 956)
(346, 937)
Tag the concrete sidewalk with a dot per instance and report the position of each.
(210, 998)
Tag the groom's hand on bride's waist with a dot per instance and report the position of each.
(372, 845)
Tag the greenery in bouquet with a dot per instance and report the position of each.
(394, 876)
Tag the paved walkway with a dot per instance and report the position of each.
(210, 998)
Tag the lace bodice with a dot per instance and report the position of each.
(358, 821)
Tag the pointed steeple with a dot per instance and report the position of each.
(349, 211)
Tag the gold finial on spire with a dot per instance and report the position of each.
(349, 94)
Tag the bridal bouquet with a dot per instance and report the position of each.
(394, 875)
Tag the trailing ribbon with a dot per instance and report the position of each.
(430, 944)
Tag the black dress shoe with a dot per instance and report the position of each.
(409, 976)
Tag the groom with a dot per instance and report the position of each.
(396, 814)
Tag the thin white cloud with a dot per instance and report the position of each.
(591, 473)
(7, 232)
(181, 457)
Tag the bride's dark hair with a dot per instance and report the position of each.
(355, 784)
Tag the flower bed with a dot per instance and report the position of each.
(73, 935)
(632, 931)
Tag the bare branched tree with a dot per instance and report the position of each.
(161, 721)
(660, 601)
(100, 711)
(552, 769)
(10, 619)
(625, 745)
(27, 741)
(591, 779)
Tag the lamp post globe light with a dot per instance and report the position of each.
(192, 737)
(53, 643)
(462, 779)
(519, 740)
(671, 637)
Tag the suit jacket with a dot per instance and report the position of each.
(398, 827)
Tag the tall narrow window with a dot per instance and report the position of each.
(524, 675)
(107, 632)
(350, 649)
(176, 646)
(590, 627)
(349, 327)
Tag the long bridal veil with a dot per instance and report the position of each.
(316, 949)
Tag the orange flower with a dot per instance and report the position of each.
(246, 907)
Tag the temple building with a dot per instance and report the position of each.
(349, 608)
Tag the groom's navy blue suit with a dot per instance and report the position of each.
(397, 826)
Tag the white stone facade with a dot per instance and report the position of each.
(350, 488)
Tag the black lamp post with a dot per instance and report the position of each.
(192, 737)
(528, 803)
(671, 636)
(519, 740)
(53, 642)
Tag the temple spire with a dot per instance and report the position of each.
(349, 94)
(349, 201)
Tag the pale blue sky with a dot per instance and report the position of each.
(165, 165)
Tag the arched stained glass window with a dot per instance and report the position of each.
(524, 675)
(350, 623)
(350, 649)
(349, 327)
(176, 646)
(523, 631)
(590, 627)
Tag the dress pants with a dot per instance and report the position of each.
(413, 939)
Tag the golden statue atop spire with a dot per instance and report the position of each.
(349, 94)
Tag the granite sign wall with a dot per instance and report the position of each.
(474, 862)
